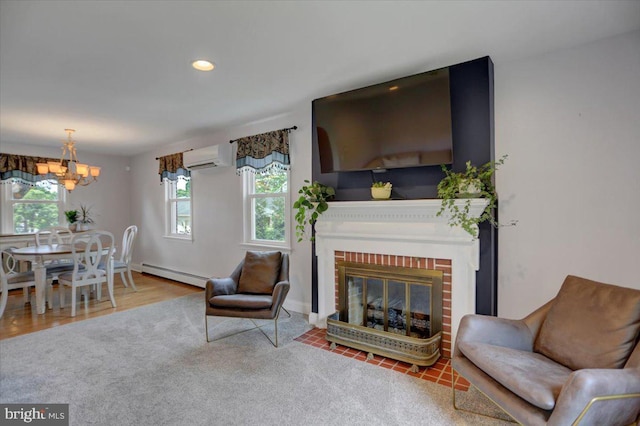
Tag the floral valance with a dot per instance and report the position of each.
(260, 153)
(23, 168)
(171, 167)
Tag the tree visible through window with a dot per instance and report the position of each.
(266, 200)
(31, 208)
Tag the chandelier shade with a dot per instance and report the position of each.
(73, 173)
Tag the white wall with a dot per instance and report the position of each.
(217, 246)
(108, 197)
(570, 122)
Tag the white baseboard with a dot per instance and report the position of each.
(296, 306)
(183, 277)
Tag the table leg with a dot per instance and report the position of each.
(110, 281)
(40, 274)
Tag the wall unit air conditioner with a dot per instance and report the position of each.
(211, 156)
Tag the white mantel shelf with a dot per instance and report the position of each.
(423, 210)
(399, 227)
(402, 220)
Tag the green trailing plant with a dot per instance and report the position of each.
(474, 182)
(71, 215)
(310, 205)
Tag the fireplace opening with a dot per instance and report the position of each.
(390, 311)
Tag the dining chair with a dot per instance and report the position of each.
(53, 235)
(50, 236)
(124, 263)
(11, 278)
(89, 250)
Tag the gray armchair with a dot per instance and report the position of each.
(256, 289)
(575, 360)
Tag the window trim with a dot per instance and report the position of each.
(248, 195)
(168, 210)
(7, 225)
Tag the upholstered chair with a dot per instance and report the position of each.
(89, 251)
(123, 265)
(256, 289)
(575, 360)
(12, 278)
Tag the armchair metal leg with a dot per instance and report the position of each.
(206, 327)
(604, 398)
(455, 407)
(275, 322)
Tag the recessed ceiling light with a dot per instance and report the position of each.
(202, 65)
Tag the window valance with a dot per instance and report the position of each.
(260, 153)
(171, 167)
(23, 168)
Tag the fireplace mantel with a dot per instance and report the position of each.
(398, 227)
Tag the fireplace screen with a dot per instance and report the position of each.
(403, 301)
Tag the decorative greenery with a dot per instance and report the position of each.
(311, 204)
(474, 182)
(85, 214)
(381, 185)
(72, 216)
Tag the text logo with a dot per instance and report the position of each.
(34, 414)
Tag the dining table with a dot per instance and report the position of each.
(38, 255)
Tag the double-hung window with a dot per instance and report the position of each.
(266, 208)
(178, 207)
(27, 209)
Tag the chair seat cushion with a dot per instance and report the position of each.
(530, 375)
(117, 264)
(57, 268)
(20, 277)
(590, 325)
(242, 301)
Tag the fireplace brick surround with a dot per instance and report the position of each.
(443, 265)
(407, 233)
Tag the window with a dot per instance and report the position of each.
(27, 209)
(178, 207)
(266, 208)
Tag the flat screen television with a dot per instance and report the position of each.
(401, 123)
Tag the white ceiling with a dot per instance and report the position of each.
(119, 71)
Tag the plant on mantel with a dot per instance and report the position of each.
(474, 182)
(310, 205)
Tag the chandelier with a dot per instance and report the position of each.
(73, 173)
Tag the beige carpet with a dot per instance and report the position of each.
(152, 366)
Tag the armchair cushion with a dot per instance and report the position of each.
(242, 301)
(590, 325)
(222, 286)
(260, 272)
(529, 375)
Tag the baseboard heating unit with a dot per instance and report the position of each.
(183, 277)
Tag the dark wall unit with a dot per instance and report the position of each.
(471, 86)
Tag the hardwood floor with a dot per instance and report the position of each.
(19, 318)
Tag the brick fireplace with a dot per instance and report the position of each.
(443, 265)
(405, 233)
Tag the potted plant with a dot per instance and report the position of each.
(381, 190)
(72, 217)
(85, 217)
(474, 182)
(311, 204)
